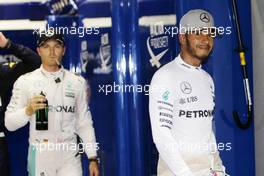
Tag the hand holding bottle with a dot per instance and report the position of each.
(35, 103)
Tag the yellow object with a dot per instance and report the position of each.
(242, 58)
(11, 64)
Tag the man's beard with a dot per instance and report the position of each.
(191, 50)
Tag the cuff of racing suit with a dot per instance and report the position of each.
(91, 153)
(90, 149)
(94, 159)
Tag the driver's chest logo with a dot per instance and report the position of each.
(186, 87)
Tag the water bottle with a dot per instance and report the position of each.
(42, 116)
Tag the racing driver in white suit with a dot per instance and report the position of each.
(54, 152)
(181, 104)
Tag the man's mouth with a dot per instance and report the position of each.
(204, 47)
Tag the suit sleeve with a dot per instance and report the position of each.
(161, 104)
(15, 116)
(217, 162)
(84, 122)
(28, 56)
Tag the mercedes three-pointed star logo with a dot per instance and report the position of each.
(186, 87)
(205, 17)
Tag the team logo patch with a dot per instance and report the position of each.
(165, 95)
(186, 87)
(69, 91)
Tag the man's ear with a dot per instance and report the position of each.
(182, 39)
(64, 50)
(38, 50)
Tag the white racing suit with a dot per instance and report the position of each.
(53, 152)
(181, 105)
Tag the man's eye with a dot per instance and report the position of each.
(197, 33)
(58, 46)
(209, 33)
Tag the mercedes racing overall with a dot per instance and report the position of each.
(181, 106)
(54, 152)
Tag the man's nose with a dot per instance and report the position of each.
(52, 51)
(206, 38)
